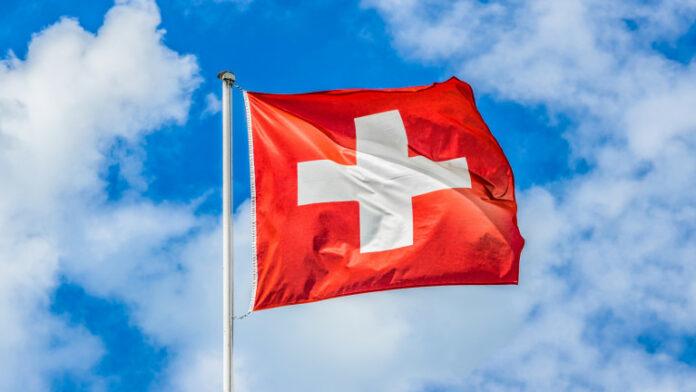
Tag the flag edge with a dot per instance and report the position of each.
(252, 199)
(304, 301)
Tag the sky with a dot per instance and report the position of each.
(110, 162)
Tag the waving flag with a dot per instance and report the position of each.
(366, 190)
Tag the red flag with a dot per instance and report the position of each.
(366, 190)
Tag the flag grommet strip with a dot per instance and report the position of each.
(252, 198)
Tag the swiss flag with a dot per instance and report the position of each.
(366, 190)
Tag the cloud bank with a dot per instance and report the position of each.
(78, 104)
(608, 272)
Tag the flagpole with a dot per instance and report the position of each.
(228, 79)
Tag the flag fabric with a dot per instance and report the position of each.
(356, 191)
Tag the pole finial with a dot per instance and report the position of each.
(227, 76)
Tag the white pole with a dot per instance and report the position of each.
(228, 79)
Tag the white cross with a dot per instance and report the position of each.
(383, 181)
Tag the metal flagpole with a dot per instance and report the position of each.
(228, 79)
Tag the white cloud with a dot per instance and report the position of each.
(212, 104)
(610, 253)
(62, 109)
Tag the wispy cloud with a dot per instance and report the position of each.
(212, 105)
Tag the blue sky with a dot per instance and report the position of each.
(116, 288)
